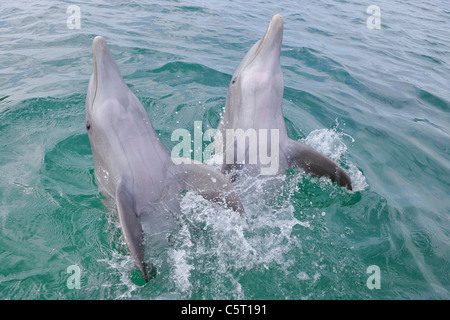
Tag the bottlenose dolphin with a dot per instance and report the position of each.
(132, 166)
(254, 106)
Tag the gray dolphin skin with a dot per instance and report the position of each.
(132, 166)
(254, 101)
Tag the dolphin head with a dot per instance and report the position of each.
(256, 89)
(120, 133)
(254, 100)
(107, 108)
(110, 104)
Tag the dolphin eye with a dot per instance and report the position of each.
(234, 80)
(88, 125)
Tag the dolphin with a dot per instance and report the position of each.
(254, 102)
(132, 167)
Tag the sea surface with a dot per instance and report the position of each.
(375, 98)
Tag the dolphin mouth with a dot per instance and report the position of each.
(99, 48)
(273, 35)
(106, 73)
(98, 42)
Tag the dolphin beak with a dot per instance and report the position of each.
(99, 49)
(106, 76)
(273, 36)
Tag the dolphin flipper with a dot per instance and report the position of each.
(131, 226)
(211, 185)
(316, 164)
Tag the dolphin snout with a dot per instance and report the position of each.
(98, 44)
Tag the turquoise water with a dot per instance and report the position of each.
(375, 100)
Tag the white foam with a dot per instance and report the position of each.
(329, 142)
(180, 260)
(302, 275)
(359, 182)
(217, 241)
(182, 269)
(124, 264)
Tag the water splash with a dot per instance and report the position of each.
(331, 143)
